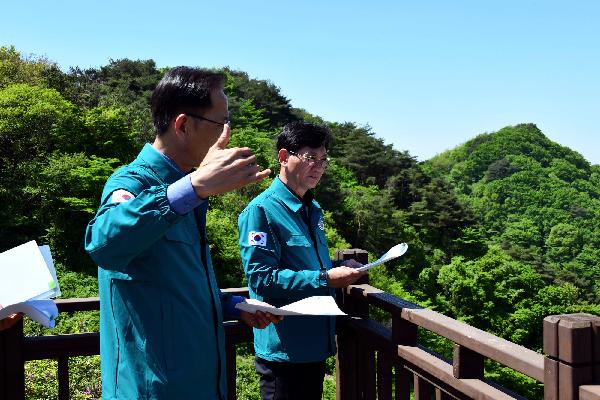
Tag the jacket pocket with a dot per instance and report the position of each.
(298, 240)
(139, 314)
(181, 233)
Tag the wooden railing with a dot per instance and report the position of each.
(372, 358)
(374, 361)
(16, 349)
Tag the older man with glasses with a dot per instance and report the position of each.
(161, 312)
(286, 259)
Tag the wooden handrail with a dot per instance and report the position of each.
(506, 353)
(570, 366)
(48, 347)
(78, 304)
(15, 348)
(588, 392)
(427, 364)
(516, 357)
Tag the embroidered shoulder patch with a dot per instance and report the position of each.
(257, 238)
(121, 196)
(321, 224)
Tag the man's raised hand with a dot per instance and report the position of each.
(224, 170)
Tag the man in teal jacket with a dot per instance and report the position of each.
(161, 311)
(286, 259)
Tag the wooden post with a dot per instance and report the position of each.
(350, 355)
(403, 333)
(571, 344)
(466, 363)
(402, 379)
(345, 302)
(230, 356)
(423, 389)
(441, 395)
(235, 332)
(369, 372)
(384, 375)
(12, 363)
(63, 378)
(346, 365)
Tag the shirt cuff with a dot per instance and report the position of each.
(182, 197)
(229, 307)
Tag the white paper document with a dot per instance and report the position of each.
(42, 311)
(24, 275)
(27, 282)
(392, 253)
(315, 305)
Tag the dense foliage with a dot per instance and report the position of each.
(538, 200)
(503, 230)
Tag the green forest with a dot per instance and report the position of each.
(503, 230)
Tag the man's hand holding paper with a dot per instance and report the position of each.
(9, 321)
(396, 251)
(344, 275)
(261, 318)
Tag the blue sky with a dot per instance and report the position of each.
(425, 75)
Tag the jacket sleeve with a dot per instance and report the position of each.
(122, 229)
(262, 262)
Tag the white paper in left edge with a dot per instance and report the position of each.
(43, 311)
(45, 250)
(24, 275)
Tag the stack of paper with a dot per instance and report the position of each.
(28, 282)
(315, 305)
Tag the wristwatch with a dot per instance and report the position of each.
(323, 275)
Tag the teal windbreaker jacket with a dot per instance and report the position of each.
(161, 334)
(282, 256)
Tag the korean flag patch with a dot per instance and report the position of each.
(321, 224)
(257, 238)
(121, 196)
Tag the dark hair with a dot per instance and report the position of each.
(182, 89)
(296, 135)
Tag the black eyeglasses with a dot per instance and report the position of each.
(311, 160)
(209, 120)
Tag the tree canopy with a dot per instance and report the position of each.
(502, 230)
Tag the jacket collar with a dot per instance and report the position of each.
(290, 199)
(164, 168)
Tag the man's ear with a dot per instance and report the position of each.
(181, 124)
(282, 156)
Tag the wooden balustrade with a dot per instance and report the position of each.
(373, 361)
(570, 369)
(16, 349)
